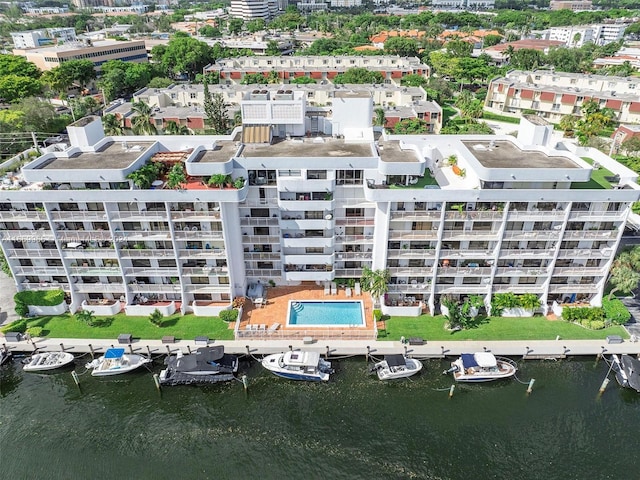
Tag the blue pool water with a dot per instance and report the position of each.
(325, 314)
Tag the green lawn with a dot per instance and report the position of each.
(496, 328)
(423, 181)
(598, 179)
(182, 327)
(447, 112)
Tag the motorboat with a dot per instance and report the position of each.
(482, 367)
(298, 365)
(627, 371)
(41, 362)
(115, 361)
(206, 365)
(396, 366)
(5, 355)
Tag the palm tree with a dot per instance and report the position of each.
(112, 125)
(142, 122)
(625, 274)
(375, 282)
(237, 118)
(176, 176)
(174, 128)
(380, 119)
(508, 53)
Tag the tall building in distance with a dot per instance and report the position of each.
(452, 215)
(250, 9)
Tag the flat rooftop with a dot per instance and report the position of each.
(504, 154)
(221, 152)
(308, 147)
(113, 156)
(390, 152)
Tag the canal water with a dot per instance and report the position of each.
(354, 427)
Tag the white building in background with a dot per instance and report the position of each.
(509, 215)
(250, 9)
(578, 35)
(307, 6)
(345, 3)
(41, 38)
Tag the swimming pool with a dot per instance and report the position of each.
(332, 313)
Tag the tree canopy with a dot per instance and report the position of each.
(359, 75)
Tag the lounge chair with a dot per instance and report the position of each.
(347, 291)
(334, 288)
(273, 327)
(326, 289)
(356, 289)
(262, 327)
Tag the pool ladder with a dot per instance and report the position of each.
(297, 306)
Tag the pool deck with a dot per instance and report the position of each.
(277, 307)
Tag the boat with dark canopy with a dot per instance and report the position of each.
(206, 365)
(396, 366)
(627, 371)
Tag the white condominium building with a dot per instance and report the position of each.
(445, 214)
(578, 35)
(40, 38)
(250, 9)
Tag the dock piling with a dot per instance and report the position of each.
(148, 351)
(453, 387)
(245, 382)
(130, 349)
(329, 351)
(405, 350)
(291, 348)
(92, 352)
(603, 387)
(366, 357)
(530, 387)
(74, 375)
(189, 349)
(168, 350)
(156, 380)
(248, 350)
(61, 347)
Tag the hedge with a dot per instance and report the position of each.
(41, 298)
(615, 311)
(229, 315)
(17, 326)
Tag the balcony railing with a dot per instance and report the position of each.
(572, 288)
(590, 234)
(201, 253)
(39, 270)
(416, 215)
(154, 288)
(268, 256)
(99, 287)
(413, 235)
(84, 235)
(521, 272)
(95, 271)
(539, 215)
(259, 221)
(355, 222)
(348, 272)
(148, 215)
(22, 215)
(260, 239)
(263, 272)
(410, 271)
(204, 271)
(577, 271)
(146, 253)
(198, 234)
(526, 253)
(32, 253)
(464, 271)
(409, 253)
(80, 215)
(537, 235)
(473, 254)
(200, 215)
(473, 234)
(45, 286)
(151, 272)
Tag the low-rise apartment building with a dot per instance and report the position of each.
(98, 52)
(575, 5)
(578, 35)
(555, 94)
(446, 215)
(319, 68)
(39, 38)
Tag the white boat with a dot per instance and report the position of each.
(482, 367)
(41, 362)
(627, 371)
(115, 361)
(397, 366)
(298, 365)
(5, 355)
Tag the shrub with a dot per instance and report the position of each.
(156, 318)
(229, 315)
(17, 326)
(585, 316)
(377, 315)
(615, 311)
(22, 309)
(42, 298)
(595, 325)
(35, 331)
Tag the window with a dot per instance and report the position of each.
(316, 174)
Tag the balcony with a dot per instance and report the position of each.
(538, 235)
(204, 271)
(473, 215)
(80, 215)
(470, 235)
(259, 221)
(310, 275)
(45, 285)
(355, 222)
(95, 271)
(143, 234)
(461, 289)
(195, 216)
(310, 258)
(32, 253)
(350, 256)
(206, 288)
(27, 235)
(595, 216)
(519, 289)
(416, 215)
(89, 253)
(361, 239)
(526, 253)
(142, 310)
(99, 287)
(410, 271)
(104, 307)
(306, 224)
(521, 272)
(151, 272)
(585, 253)
(536, 215)
(577, 271)
(590, 234)
(472, 254)
(198, 234)
(572, 288)
(260, 239)
(153, 288)
(414, 288)
(416, 235)
(262, 256)
(146, 253)
(197, 253)
(22, 215)
(152, 216)
(41, 271)
(464, 271)
(348, 272)
(300, 241)
(84, 235)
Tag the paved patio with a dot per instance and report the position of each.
(277, 305)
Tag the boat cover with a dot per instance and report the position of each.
(114, 353)
(302, 359)
(395, 360)
(485, 359)
(632, 369)
(468, 360)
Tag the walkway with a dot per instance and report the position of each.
(530, 349)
